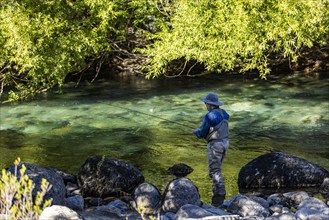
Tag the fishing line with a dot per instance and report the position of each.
(154, 116)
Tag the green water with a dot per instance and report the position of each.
(120, 119)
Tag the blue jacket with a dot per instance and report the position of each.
(211, 119)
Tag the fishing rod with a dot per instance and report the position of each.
(154, 116)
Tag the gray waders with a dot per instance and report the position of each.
(218, 143)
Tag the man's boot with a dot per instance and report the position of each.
(217, 200)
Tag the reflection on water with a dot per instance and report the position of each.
(133, 119)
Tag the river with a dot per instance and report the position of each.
(149, 124)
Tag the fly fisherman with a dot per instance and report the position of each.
(214, 129)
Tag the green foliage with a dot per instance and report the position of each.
(225, 35)
(16, 201)
(42, 41)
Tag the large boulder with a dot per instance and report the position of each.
(36, 174)
(104, 177)
(179, 192)
(279, 170)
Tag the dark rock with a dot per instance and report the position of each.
(105, 177)
(147, 198)
(120, 209)
(180, 192)
(75, 202)
(324, 189)
(277, 199)
(278, 170)
(180, 170)
(96, 201)
(36, 174)
(65, 176)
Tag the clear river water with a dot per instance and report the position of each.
(149, 124)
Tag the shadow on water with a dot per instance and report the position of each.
(11, 138)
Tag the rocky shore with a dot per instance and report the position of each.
(106, 188)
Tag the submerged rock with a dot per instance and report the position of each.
(180, 170)
(278, 170)
(104, 177)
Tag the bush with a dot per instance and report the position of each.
(16, 200)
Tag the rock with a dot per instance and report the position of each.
(310, 214)
(114, 210)
(65, 176)
(215, 210)
(295, 198)
(70, 188)
(191, 211)
(261, 201)
(324, 189)
(57, 212)
(180, 170)
(277, 199)
(244, 206)
(314, 203)
(147, 198)
(180, 192)
(105, 177)
(276, 208)
(36, 174)
(279, 170)
(284, 216)
(96, 201)
(75, 202)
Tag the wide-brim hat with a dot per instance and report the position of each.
(212, 99)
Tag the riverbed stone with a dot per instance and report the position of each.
(277, 199)
(191, 211)
(311, 214)
(147, 198)
(36, 174)
(245, 206)
(179, 192)
(314, 203)
(75, 202)
(105, 177)
(57, 212)
(296, 198)
(279, 170)
(283, 216)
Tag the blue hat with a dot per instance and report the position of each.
(212, 99)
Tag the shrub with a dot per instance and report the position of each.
(16, 199)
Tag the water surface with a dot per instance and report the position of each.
(132, 119)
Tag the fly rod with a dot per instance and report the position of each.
(154, 116)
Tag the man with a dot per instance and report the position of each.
(214, 129)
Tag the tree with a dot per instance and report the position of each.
(42, 41)
(227, 35)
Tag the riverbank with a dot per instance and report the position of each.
(106, 188)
